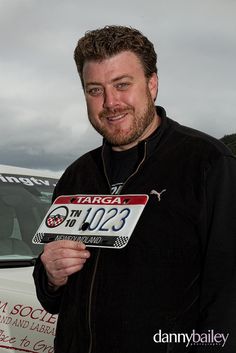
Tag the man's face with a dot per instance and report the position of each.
(120, 99)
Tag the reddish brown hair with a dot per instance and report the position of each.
(108, 41)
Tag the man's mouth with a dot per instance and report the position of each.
(117, 117)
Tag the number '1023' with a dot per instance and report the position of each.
(106, 220)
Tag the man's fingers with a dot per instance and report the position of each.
(64, 249)
(64, 264)
(63, 258)
(66, 272)
(67, 244)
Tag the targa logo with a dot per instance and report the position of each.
(194, 338)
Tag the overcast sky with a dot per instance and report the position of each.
(42, 110)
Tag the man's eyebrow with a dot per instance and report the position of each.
(112, 81)
(122, 77)
(93, 83)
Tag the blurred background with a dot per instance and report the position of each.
(42, 109)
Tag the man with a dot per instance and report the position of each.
(172, 288)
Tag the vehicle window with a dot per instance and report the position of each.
(24, 201)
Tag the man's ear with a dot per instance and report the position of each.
(153, 85)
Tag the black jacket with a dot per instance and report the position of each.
(177, 273)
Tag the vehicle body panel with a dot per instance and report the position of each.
(25, 196)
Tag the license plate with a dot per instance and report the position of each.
(105, 221)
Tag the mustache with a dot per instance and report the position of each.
(108, 112)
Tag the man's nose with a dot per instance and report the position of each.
(110, 98)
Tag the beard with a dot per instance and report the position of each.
(140, 122)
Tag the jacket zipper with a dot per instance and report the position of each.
(99, 250)
(90, 301)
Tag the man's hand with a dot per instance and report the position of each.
(61, 259)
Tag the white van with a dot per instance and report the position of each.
(25, 196)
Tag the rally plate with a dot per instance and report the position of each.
(105, 221)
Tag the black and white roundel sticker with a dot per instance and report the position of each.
(56, 217)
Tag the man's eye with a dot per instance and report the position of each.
(122, 85)
(95, 91)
